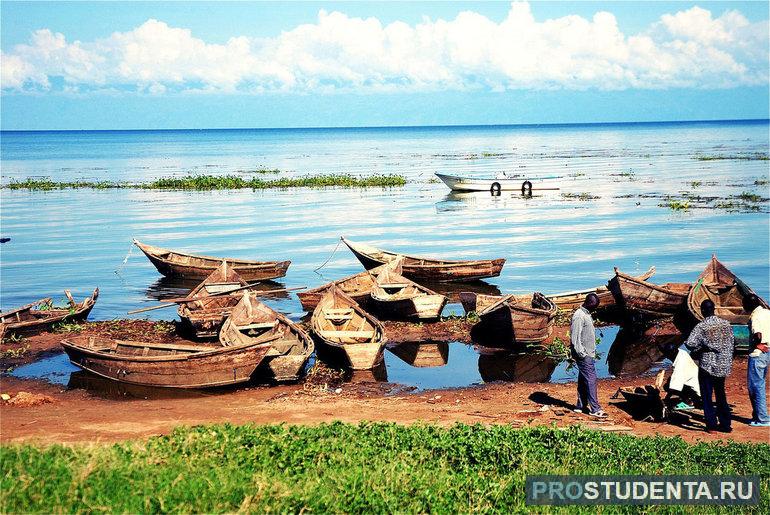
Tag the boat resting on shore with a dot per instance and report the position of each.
(427, 269)
(41, 315)
(181, 264)
(653, 300)
(167, 365)
(718, 284)
(395, 297)
(205, 315)
(358, 287)
(251, 320)
(571, 301)
(525, 318)
(347, 333)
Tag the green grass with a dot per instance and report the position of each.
(220, 182)
(342, 468)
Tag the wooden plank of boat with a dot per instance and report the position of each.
(182, 264)
(525, 318)
(41, 315)
(456, 183)
(357, 287)
(204, 316)
(357, 341)
(167, 365)
(251, 320)
(718, 284)
(653, 300)
(571, 301)
(397, 298)
(427, 269)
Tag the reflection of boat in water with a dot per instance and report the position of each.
(116, 390)
(175, 287)
(378, 374)
(636, 350)
(422, 355)
(515, 367)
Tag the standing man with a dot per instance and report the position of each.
(583, 340)
(759, 359)
(711, 344)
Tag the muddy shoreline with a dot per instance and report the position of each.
(57, 415)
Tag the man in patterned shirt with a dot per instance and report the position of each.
(711, 344)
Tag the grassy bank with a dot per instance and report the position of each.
(343, 468)
(218, 182)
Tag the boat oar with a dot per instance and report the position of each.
(174, 302)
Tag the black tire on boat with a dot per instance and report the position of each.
(526, 188)
(495, 189)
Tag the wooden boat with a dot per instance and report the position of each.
(251, 320)
(347, 332)
(427, 269)
(571, 301)
(422, 354)
(168, 365)
(644, 297)
(397, 298)
(205, 315)
(525, 318)
(41, 315)
(181, 264)
(718, 284)
(357, 287)
(489, 184)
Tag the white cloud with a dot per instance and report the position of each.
(690, 48)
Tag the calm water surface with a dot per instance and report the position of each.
(80, 239)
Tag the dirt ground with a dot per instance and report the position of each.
(50, 414)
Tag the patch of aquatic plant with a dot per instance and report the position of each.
(735, 207)
(577, 174)
(677, 205)
(557, 351)
(16, 353)
(347, 468)
(752, 156)
(48, 185)
(761, 182)
(433, 180)
(222, 182)
(580, 196)
(67, 327)
(696, 184)
(751, 197)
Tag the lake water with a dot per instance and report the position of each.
(80, 239)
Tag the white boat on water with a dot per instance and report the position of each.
(497, 184)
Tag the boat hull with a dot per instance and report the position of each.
(52, 317)
(230, 365)
(200, 267)
(432, 270)
(512, 321)
(456, 183)
(649, 299)
(424, 307)
(358, 356)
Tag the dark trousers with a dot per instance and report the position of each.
(586, 385)
(711, 386)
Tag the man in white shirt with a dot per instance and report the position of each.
(759, 359)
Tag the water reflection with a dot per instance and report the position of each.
(422, 355)
(515, 367)
(175, 287)
(636, 350)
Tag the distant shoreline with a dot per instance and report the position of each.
(747, 121)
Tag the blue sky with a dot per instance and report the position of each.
(114, 65)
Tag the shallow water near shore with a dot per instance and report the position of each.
(80, 239)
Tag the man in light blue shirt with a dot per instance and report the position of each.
(583, 340)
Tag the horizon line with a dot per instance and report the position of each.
(358, 127)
